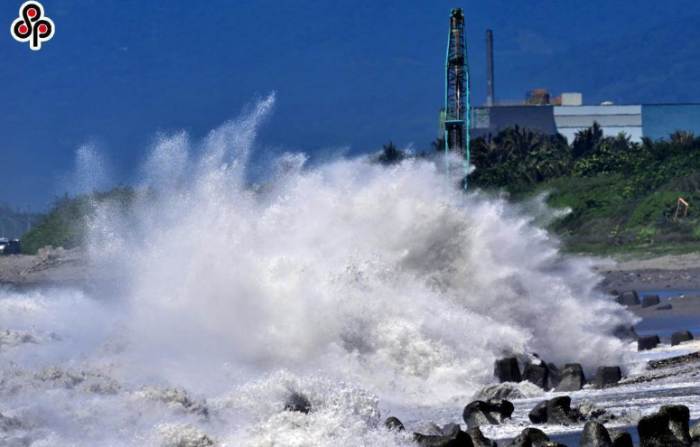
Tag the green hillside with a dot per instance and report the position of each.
(64, 225)
(622, 195)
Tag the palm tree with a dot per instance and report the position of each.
(587, 141)
(390, 154)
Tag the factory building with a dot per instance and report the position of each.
(649, 120)
(567, 115)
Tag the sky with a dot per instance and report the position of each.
(348, 73)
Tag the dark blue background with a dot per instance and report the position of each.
(348, 73)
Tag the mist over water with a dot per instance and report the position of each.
(365, 287)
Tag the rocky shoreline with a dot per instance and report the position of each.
(670, 426)
(560, 387)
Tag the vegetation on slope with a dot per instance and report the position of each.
(622, 194)
(64, 225)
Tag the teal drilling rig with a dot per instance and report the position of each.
(457, 105)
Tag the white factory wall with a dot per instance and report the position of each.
(612, 119)
(634, 132)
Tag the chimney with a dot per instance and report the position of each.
(489, 68)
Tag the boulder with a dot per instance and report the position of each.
(508, 390)
(492, 412)
(501, 409)
(626, 333)
(679, 337)
(695, 432)
(536, 374)
(297, 402)
(451, 430)
(664, 307)
(650, 300)
(607, 376)
(507, 370)
(678, 421)
(559, 411)
(589, 411)
(538, 415)
(629, 298)
(393, 423)
(648, 342)
(571, 378)
(620, 438)
(456, 438)
(654, 431)
(479, 440)
(595, 435)
(553, 376)
(478, 413)
(530, 437)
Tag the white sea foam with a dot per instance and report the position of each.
(362, 286)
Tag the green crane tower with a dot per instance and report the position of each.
(457, 102)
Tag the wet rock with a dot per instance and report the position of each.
(552, 444)
(664, 307)
(629, 298)
(572, 378)
(478, 413)
(430, 428)
(595, 435)
(538, 415)
(589, 411)
(620, 438)
(679, 337)
(559, 411)
(650, 300)
(509, 390)
(607, 376)
(479, 440)
(654, 431)
(492, 412)
(530, 437)
(393, 423)
(297, 402)
(626, 333)
(457, 438)
(507, 370)
(695, 432)
(176, 399)
(450, 429)
(648, 342)
(501, 409)
(678, 421)
(536, 374)
(553, 376)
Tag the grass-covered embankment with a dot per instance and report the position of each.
(622, 195)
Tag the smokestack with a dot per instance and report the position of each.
(489, 68)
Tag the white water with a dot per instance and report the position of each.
(370, 289)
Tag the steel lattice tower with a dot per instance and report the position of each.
(457, 103)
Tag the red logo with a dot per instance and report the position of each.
(32, 26)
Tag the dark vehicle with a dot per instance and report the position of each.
(9, 247)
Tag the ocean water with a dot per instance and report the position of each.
(372, 290)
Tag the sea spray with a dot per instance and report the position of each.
(361, 285)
